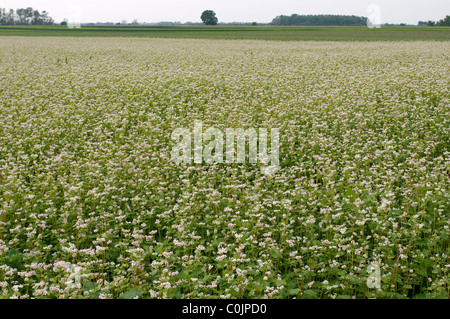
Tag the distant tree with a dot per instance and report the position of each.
(46, 19)
(64, 22)
(25, 16)
(306, 20)
(10, 17)
(2, 16)
(28, 15)
(37, 18)
(209, 17)
(431, 23)
(254, 23)
(421, 23)
(444, 22)
(21, 17)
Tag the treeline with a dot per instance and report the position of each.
(321, 20)
(24, 16)
(441, 23)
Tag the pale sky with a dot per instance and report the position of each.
(391, 11)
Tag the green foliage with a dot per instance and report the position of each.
(444, 22)
(441, 23)
(27, 16)
(209, 17)
(319, 20)
(92, 206)
(132, 293)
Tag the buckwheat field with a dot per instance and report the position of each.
(93, 206)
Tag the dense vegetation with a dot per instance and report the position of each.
(441, 23)
(92, 206)
(320, 20)
(278, 33)
(27, 16)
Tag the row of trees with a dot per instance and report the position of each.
(321, 20)
(441, 23)
(24, 16)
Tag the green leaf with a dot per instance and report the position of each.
(294, 291)
(309, 294)
(156, 198)
(344, 297)
(130, 294)
(89, 286)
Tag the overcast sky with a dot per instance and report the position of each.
(391, 11)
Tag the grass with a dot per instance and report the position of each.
(240, 32)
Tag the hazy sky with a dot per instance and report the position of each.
(391, 11)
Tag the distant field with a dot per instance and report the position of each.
(240, 32)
